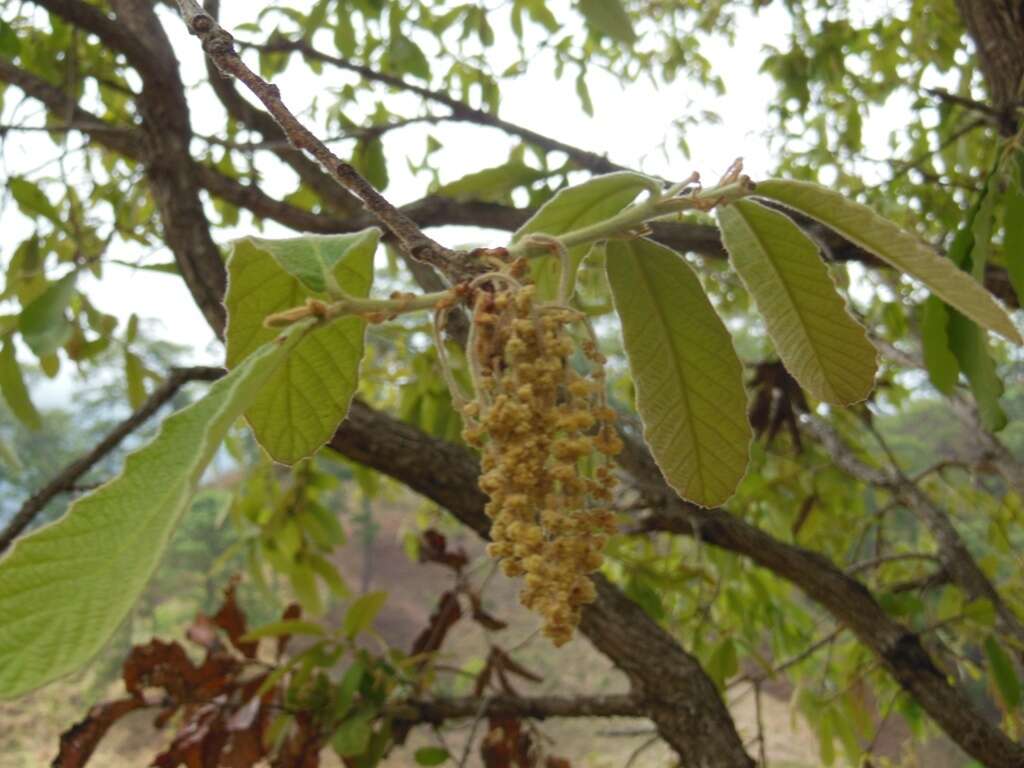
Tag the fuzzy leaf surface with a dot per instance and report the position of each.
(689, 382)
(862, 226)
(309, 395)
(825, 349)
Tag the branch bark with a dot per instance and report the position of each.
(440, 709)
(997, 29)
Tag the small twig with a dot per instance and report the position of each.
(67, 478)
(759, 716)
(460, 110)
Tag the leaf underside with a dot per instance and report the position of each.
(862, 226)
(825, 349)
(689, 382)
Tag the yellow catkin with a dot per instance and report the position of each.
(538, 422)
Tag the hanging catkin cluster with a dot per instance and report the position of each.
(546, 437)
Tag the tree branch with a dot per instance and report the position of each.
(997, 29)
(954, 555)
(68, 477)
(309, 172)
(440, 709)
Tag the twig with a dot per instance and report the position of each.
(219, 46)
(537, 707)
(67, 478)
(460, 110)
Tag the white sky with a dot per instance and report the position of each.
(629, 124)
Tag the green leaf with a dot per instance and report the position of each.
(310, 394)
(825, 349)
(724, 662)
(286, 627)
(968, 343)
(346, 691)
(353, 736)
(15, 393)
(492, 185)
(9, 44)
(404, 56)
(689, 382)
(942, 366)
(1013, 239)
(303, 581)
(134, 375)
(431, 756)
(862, 226)
(609, 17)
(9, 459)
(363, 611)
(43, 323)
(32, 200)
(946, 333)
(1003, 674)
(592, 201)
(65, 588)
(368, 158)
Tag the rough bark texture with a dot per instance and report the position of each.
(997, 29)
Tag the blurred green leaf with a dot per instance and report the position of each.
(609, 17)
(43, 324)
(363, 611)
(15, 393)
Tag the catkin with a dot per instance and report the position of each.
(538, 423)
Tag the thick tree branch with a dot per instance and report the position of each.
(69, 476)
(168, 162)
(997, 29)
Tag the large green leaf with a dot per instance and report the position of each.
(309, 395)
(65, 588)
(43, 323)
(689, 382)
(824, 348)
(15, 393)
(862, 226)
(592, 201)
